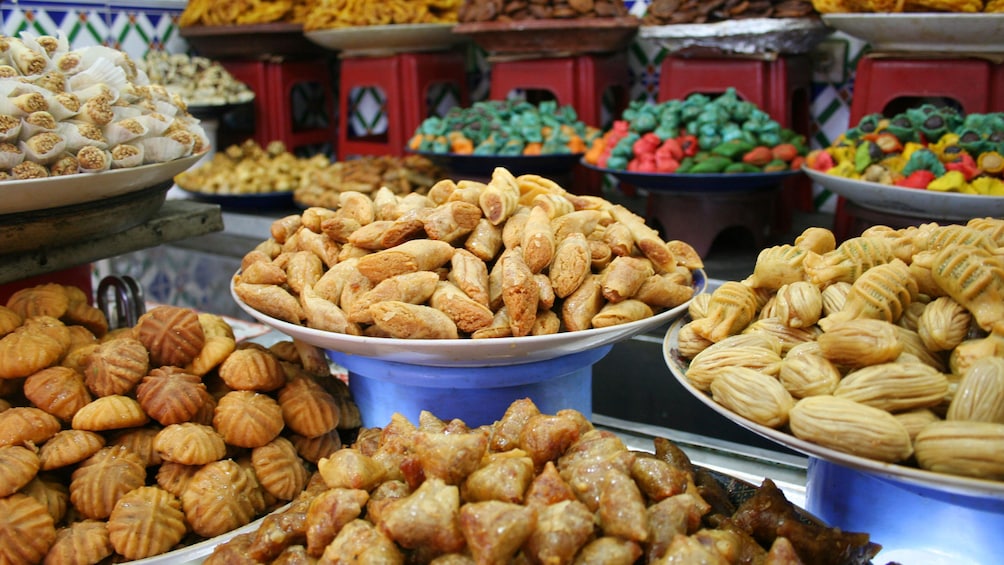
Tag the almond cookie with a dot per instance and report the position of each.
(171, 395)
(24, 424)
(81, 542)
(24, 352)
(219, 498)
(68, 447)
(252, 368)
(60, 391)
(110, 413)
(116, 366)
(313, 449)
(52, 494)
(140, 442)
(51, 327)
(174, 477)
(80, 313)
(173, 335)
(42, 300)
(26, 530)
(20, 465)
(248, 419)
(189, 444)
(307, 408)
(98, 483)
(279, 469)
(146, 522)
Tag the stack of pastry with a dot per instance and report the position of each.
(131, 442)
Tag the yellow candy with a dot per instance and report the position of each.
(952, 181)
(946, 141)
(988, 185)
(909, 148)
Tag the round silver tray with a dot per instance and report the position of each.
(929, 32)
(386, 39)
(751, 36)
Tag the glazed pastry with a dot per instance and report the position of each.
(42, 300)
(251, 368)
(24, 425)
(60, 391)
(307, 409)
(100, 480)
(731, 308)
(848, 261)
(468, 314)
(777, 266)
(112, 412)
(68, 447)
(85, 541)
(279, 469)
(116, 366)
(881, 293)
(219, 498)
(26, 520)
(247, 418)
(173, 335)
(145, 522)
(485, 240)
(975, 279)
(20, 465)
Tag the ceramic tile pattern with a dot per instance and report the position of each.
(139, 26)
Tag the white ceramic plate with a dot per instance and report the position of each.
(394, 38)
(916, 203)
(42, 194)
(891, 471)
(196, 553)
(928, 32)
(473, 352)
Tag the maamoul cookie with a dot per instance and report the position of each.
(174, 477)
(80, 542)
(98, 483)
(60, 391)
(189, 444)
(19, 465)
(26, 530)
(23, 352)
(248, 419)
(116, 366)
(82, 314)
(219, 498)
(68, 447)
(51, 327)
(9, 320)
(172, 334)
(252, 368)
(113, 412)
(50, 493)
(170, 395)
(140, 442)
(42, 300)
(24, 424)
(279, 469)
(145, 522)
(314, 448)
(307, 408)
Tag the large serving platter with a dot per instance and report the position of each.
(749, 36)
(891, 471)
(929, 32)
(551, 37)
(54, 192)
(699, 182)
(473, 352)
(463, 166)
(916, 203)
(276, 200)
(386, 39)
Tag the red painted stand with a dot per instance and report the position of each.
(272, 82)
(405, 80)
(977, 85)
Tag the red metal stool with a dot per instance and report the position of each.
(975, 84)
(405, 80)
(781, 87)
(273, 82)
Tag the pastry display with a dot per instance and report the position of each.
(903, 317)
(496, 10)
(249, 168)
(323, 187)
(671, 12)
(136, 435)
(88, 110)
(230, 12)
(198, 80)
(515, 257)
(927, 147)
(933, 6)
(699, 134)
(505, 127)
(331, 14)
(536, 488)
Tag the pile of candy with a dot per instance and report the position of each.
(698, 135)
(928, 147)
(509, 127)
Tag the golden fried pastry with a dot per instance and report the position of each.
(23, 352)
(24, 424)
(848, 261)
(500, 198)
(100, 480)
(664, 291)
(623, 312)
(252, 369)
(538, 242)
(625, 275)
(571, 265)
(20, 465)
(216, 349)
(112, 412)
(271, 300)
(26, 529)
(60, 391)
(323, 314)
(49, 326)
(895, 387)
(170, 395)
(408, 257)
(189, 444)
(145, 522)
(172, 334)
(881, 293)
(943, 324)
(219, 498)
(68, 447)
(9, 320)
(485, 240)
(646, 239)
(248, 419)
(81, 542)
(798, 304)
(481, 523)
(80, 313)
(860, 342)
(411, 321)
(731, 308)
(362, 542)
(174, 477)
(413, 288)
(426, 517)
(307, 408)
(468, 314)
(777, 266)
(758, 352)
(52, 494)
(578, 309)
(279, 469)
(41, 300)
(116, 366)
(975, 279)
(520, 293)
(140, 442)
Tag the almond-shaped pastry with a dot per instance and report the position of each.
(786, 335)
(145, 522)
(100, 480)
(500, 198)
(975, 279)
(485, 240)
(943, 324)
(307, 408)
(732, 307)
(190, 444)
(798, 304)
(894, 387)
(279, 469)
(623, 312)
(42, 300)
(689, 344)
(914, 345)
(571, 265)
(881, 293)
(578, 309)
(60, 391)
(248, 419)
(753, 395)
(81, 542)
(173, 335)
(408, 257)
(20, 465)
(116, 366)
(252, 369)
(850, 427)
(113, 412)
(708, 364)
(219, 498)
(808, 375)
(834, 297)
(413, 288)
(412, 321)
(980, 394)
(24, 352)
(323, 314)
(24, 424)
(470, 274)
(271, 300)
(468, 314)
(848, 261)
(860, 342)
(959, 447)
(777, 266)
(68, 447)
(27, 529)
(303, 268)
(498, 328)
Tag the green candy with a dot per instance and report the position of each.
(713, 164)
